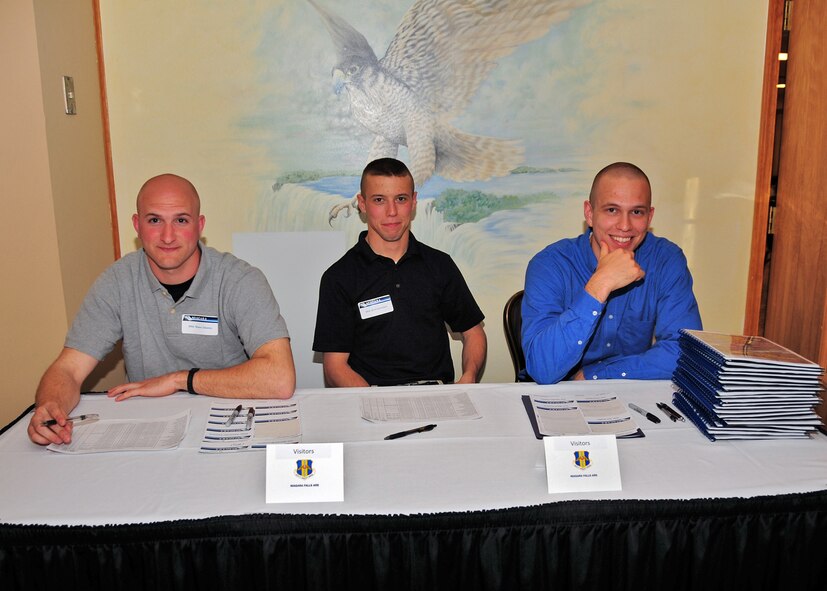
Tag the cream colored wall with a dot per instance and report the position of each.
(66, 44)
(56, 232)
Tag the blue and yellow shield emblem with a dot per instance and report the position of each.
(304, 468)
(581, 459)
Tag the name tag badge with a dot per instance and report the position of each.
(195, 324)
(375, 307)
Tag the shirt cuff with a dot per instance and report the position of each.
(600, 371)
(588, 307)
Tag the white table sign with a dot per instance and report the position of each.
(582, 463)
(305, 473)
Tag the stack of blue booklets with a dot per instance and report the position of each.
(742, 387)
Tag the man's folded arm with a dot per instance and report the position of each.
(269, 373)
(338, 373)
(555, 339)
(677, 308)
(657, 363)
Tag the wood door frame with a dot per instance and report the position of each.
(763, 177)
(107, 142)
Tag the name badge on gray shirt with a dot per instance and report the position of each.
(195, 324)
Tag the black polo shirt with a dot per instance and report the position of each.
(409, 343)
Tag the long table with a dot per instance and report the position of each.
(465, 505)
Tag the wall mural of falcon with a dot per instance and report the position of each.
(442, 51)
(487, 121)
(504, 109)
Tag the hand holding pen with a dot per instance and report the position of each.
(75, 419)
(50, 424)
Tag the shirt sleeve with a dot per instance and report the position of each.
(459, 308)
(97, 326)
(558, 321)
(335, 320)
(255, 311)
(676, 309)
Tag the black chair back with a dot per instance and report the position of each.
(512, 326)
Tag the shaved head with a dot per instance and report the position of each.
(618, 170)
(169, 183)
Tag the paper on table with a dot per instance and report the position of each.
(598, 414)
(418, 408)
(273, 422)
(127, 435)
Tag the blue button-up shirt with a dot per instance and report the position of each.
(632, 335)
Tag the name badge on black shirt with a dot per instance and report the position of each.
(195, 324)
(375, 307)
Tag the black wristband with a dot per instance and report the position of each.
(190, 375)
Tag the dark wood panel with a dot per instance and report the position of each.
(798, 277)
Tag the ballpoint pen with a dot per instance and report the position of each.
(411, 432)
(76, 419)
(669, 412)
(646, 414)
(233, 416)
(251, 412)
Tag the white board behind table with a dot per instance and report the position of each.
(293, 263)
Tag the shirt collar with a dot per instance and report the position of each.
(201, 275)
(365, 251)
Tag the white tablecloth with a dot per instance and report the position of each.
(491, 463)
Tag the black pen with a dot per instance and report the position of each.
(411, 432)
(234, 414)
(78, 418)
(648, 415)
(669, 412)
(251, 412)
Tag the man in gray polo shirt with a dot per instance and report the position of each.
(190, 318)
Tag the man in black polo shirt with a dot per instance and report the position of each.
(383, 306)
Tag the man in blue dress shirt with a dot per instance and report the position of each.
(609, 303)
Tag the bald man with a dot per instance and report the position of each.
(190, 318)
(609, 303)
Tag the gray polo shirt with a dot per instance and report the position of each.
(227, 313)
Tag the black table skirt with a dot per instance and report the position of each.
(759, 543)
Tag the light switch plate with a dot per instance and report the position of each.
(69, 95)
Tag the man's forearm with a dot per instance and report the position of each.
(269, 373)
(474, 351)
(554, 344)
(656, 363)
(57, 394)
(60, 385)
(58, 388)
(342, 376)
(255, 378)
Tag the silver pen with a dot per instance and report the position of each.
(233, 416)
(251, 412)
(75, 419)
